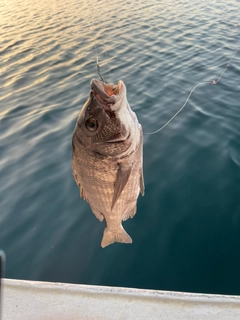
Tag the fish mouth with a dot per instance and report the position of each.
(106, 94)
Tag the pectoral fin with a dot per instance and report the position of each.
(122, 178)
(141, 182)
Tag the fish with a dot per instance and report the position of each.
(107, 158)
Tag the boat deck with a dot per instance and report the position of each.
(25, 300)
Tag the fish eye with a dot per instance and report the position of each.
(91, 124)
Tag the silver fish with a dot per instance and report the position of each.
(107, 158)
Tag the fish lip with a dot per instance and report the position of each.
(106, 94)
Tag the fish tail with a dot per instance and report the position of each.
(110, 237)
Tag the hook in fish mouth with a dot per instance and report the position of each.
(106, 91)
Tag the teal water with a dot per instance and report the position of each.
(186, 233)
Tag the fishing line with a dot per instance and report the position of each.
(94, 40)
(90, 5)
(212, 82)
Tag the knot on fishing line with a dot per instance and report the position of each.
(213, 82)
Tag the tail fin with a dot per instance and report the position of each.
(110, 237)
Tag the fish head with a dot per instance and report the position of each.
(106, 117)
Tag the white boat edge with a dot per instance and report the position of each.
(25, 300)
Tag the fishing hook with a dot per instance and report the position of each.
(99, 73)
